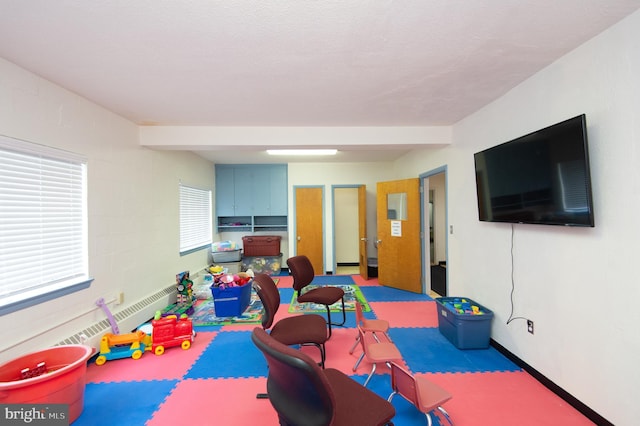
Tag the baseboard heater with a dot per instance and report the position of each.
(127, 319)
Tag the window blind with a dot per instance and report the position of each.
(195, 218)
(43, 220)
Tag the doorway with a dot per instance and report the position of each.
(309, 224)
(350, 230)
(434, 220)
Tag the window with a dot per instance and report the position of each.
(43, 224)
(195, 219)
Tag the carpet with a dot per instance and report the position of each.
(205, 313)
(351, 294)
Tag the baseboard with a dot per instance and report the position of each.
(566, 396)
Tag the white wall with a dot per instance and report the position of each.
(579, 285)
(133, 205)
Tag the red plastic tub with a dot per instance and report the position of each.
(62, 383)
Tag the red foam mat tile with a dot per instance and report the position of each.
(216, 402)
(504, 398)
(407, 314)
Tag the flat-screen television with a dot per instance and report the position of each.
(539, 178)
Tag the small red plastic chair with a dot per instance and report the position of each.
(372, 326)
(425, 395)
(376, 352)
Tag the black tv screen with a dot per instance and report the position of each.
(539, 178)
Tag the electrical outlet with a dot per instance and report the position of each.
(530, 326)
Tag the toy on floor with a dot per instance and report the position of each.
(184, 286)
(112, 321)
(185, 297)
(171, 331)
(165, 332)
(117, 346)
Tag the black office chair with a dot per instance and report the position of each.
(305, 395)
(297, 330)
(303, 273)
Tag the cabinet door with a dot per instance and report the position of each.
(261, 190)
(278, 190)
(225, 190)
(243, 194)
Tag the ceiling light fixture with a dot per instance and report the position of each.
(302, 151)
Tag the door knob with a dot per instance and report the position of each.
(378, 241)
(364, 239)
(299, 238)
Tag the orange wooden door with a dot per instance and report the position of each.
(362, 231)
(399, 239)
(309, 225)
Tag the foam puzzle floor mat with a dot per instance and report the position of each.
(216, 380)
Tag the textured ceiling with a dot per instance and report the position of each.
(296, 62)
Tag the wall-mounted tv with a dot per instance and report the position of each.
(539, 178)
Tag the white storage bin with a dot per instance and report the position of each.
(226, 256)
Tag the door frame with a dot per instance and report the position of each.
(424, 226)
(333, 217)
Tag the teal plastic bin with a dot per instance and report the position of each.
(464, 322)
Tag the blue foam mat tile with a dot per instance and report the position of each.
(285, 295)
(332, 279)
(231, 354)
(123, 403)
(426, 350)
(387, 294)
(203, 328)
(349, 323)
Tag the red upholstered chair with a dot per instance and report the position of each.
(308, 329)
(372, 326)
(305, 395)
(425, 395)
(303, 273)
(376, 352)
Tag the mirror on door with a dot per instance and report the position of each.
(397, 206)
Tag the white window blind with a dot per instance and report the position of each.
(195, 218)
(43, 220)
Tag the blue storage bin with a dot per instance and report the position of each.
(231, 301)
(461, 326)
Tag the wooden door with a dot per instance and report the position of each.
(399, 239)
(362, 231)
(309, 225)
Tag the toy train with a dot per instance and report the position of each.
(167, 332)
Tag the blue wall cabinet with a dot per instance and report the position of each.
(251, 197)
